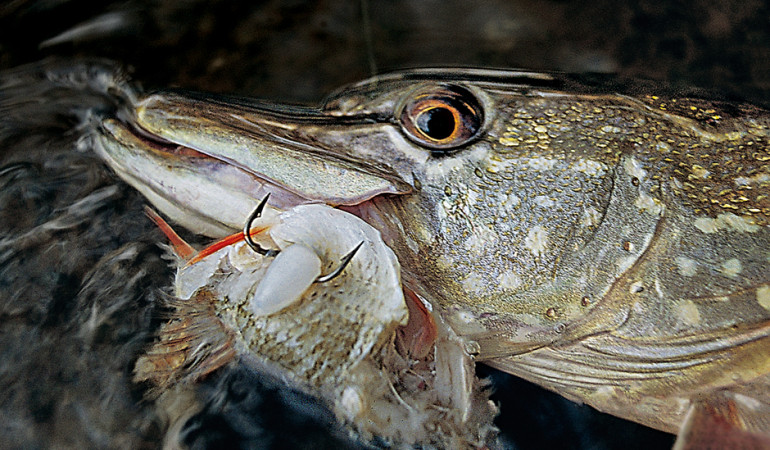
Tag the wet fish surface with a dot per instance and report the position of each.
(547, 325)
(611, 248)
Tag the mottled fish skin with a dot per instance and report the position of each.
(612, 248)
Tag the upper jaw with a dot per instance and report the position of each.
(207, 161)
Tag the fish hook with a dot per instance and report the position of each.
(343, 263)
(270, 252)
(247, 230)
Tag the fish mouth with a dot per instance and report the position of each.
(206, 162)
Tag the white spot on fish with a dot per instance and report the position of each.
(591, 217)
(536, 240)
(509, 280)
(443, 168)
(465, 316)
(756, 179)
(648, 204)
(662, 147)
(728, 222)
(610, 129)
(479, 241)
(625, 263)
(443, 209)
(687, 267)
(688, 312)
(541, 163)
(439, 169)
(699, 172)
(351, 402)
(589, 167)
(511, 201)
(496, 165)
(412, 244)
(659, 289)
(735, 135)
(750, 402)
(604, 393)
(634, 168)
(731, 267)
(474, 283)
(471, 197)
(763, 296)
(544, 201)
(636, 287)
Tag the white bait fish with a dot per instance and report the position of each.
(387, 365)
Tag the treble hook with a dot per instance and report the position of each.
(344, 263)
(247, 230)
(270, 252)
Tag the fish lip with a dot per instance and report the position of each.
(159, 144)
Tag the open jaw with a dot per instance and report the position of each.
(406, 378)
(208, 173)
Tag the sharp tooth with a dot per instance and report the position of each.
(287, 278)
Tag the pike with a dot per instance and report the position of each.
(612, 248)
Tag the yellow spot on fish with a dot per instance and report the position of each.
(510, 141)
(763, 296)
(688, 312)
(731, 267)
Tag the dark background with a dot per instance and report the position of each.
(299, 50)
(59, 386)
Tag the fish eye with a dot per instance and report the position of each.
(441, 117)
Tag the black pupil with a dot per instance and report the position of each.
(437, 123)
